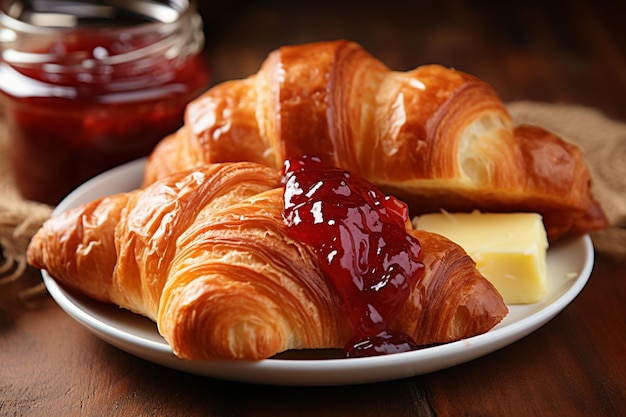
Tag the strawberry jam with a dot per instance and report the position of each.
(359, 235)
(103, 90)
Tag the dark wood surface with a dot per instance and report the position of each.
(557, 51)
(564, 52)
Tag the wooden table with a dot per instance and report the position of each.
(573, 366)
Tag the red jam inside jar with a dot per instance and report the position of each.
(103, 91)
(359, 235)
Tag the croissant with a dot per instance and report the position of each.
(206, 255)
(434, 137)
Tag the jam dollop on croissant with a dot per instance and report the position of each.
(360, 237)
(434, 137)
(207, 255)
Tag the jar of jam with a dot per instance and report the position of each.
(89, 85)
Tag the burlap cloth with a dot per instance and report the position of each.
(602, 140)
(19, 220)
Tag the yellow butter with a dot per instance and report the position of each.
(509, 249)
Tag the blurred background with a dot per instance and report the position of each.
(551, 51)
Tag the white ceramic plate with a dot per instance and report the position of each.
(569, 266)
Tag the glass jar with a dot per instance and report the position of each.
(89, 85)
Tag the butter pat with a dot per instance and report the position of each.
(509, 249)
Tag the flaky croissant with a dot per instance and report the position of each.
(206, 255)
(434, 137)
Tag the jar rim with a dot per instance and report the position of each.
(142, 41)
(156, 13)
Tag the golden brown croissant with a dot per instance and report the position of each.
(434, 137)
(207, 256)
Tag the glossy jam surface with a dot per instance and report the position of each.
(359, 235)
(77, 116)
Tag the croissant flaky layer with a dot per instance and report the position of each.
(206, 254)
(435, 137)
